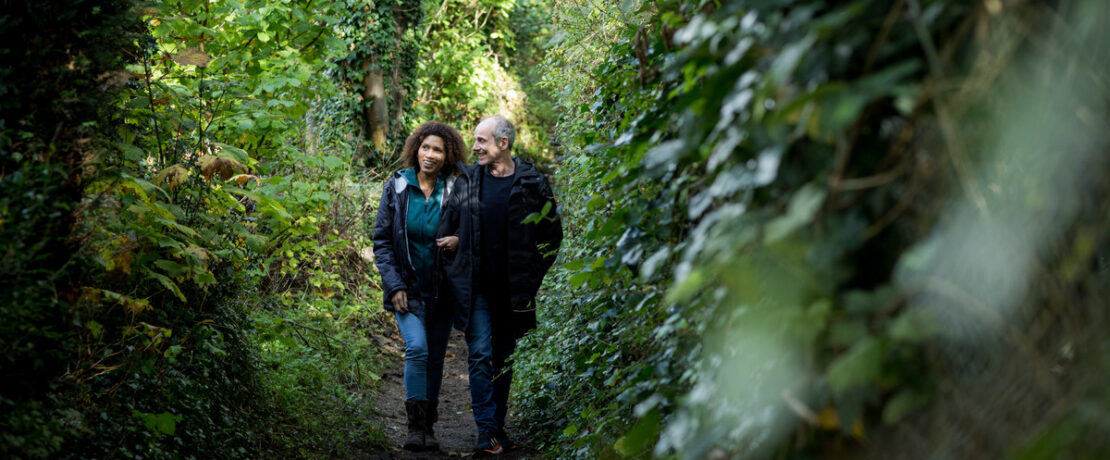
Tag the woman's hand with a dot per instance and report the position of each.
(448, 243)
(401, 301)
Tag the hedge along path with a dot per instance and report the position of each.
(455, 430)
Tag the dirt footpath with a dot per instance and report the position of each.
(455, 430)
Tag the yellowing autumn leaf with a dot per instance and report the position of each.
(200, 253)
(90, 295)
(192, 56)
(136, 306)
(172, 176)
(130, 304)
(122, 262)
(242, 179)
(828, 419)
(225, 168)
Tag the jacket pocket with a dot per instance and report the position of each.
(417, 306)
(523, 320)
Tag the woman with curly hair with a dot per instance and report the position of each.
(408, 255)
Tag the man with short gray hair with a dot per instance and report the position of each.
(503, 211)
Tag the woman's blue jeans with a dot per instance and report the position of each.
(425, 336)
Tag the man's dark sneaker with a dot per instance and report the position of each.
(487, 445)
(507, 443)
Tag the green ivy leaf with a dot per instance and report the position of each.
(162, 423)
(578, 279)
(860, 365)
(641, 437)
(536, 217)
(95, 328)
(803, 207)
(903, 404)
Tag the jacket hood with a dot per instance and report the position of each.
(409, 174)
(404, 177)
(525, 167)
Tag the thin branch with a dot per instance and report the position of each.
(153, 114)
(317, 37)
(960, 161)
(442, 6)
(875, 180)
(888, 24)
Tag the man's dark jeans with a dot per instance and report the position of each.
(479, 345)
(504, 344)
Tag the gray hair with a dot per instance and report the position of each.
(503, 128)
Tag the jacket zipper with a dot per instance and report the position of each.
(405, 227)
(438, 265)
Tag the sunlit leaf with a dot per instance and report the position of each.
(172, 177)
(192, 56)
(232, 152)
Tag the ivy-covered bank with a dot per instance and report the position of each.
(811, 229)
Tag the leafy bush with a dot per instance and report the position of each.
(187, 218)
(761, 260)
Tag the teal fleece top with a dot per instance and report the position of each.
(421, 225)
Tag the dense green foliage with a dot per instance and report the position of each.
(481, 59)
(193, 284)
(776, 212)
(186, 234)
(52, 107)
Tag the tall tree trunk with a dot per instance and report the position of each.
(376, 116)
(397, 93)
(382, 115)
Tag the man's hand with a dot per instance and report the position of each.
(401, 301)
(448, 243)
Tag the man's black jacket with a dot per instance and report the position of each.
(532, 246)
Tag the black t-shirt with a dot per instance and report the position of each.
(493, 279)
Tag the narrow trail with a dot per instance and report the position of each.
(455, 429)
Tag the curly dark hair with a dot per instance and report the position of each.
(453, 145)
